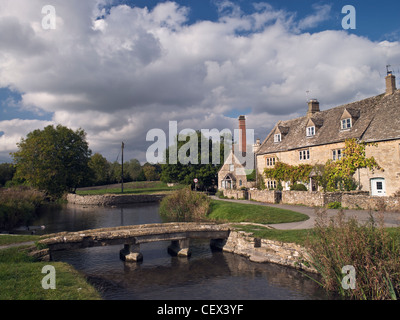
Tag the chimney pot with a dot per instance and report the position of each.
(313, 106)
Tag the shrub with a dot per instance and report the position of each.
(298, 187)
(18, 206)
(185, 205)
(334, 205)
(369, 248)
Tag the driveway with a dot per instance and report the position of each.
(391, 219)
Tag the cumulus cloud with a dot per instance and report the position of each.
(120, 71)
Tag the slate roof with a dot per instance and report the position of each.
(373, 119)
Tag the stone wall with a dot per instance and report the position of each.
(311, 199)
(262, 250)
(112, 199)
(360, 201)
(268, 196)
(235, 194)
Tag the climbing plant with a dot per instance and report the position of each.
(285, 172)
(338, 175)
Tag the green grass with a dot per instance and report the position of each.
(145, 187)
(290, 236)
(10, 239)
(21, 279)
(240, 212)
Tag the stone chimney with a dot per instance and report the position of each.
(242, 136)
(390, 83)
(313, 107)
(256, 146)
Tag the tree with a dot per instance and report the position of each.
(54, 159)
(133, 169)
(193, 167)
(100, 168)
(7, 171)
(150, 173)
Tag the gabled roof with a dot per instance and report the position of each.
(375, 119)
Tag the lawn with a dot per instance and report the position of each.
(21, 279)
(240, 212)
(137, 187)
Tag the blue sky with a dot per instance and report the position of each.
(120, 68)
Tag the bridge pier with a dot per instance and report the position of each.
(179, 248)
(131, 253)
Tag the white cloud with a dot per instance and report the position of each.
(121, 72)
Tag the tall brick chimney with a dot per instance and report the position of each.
(390, 83)
(242, 137)
(313, 107)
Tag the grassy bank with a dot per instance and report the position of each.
(21, 279)
(142, 187)
(18, 206)
(240, 212)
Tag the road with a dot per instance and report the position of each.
(391, 219)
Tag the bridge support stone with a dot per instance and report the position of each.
(131, 253)
(179, 248)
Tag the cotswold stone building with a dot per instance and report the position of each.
(320, 135)
(233, 174)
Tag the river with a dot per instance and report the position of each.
(207, 274)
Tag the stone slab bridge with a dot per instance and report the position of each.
(132, 236)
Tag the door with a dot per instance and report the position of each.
(378, 187)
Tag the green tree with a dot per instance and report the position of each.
(100, 168)
(186, 172)
(54, 159)
(133, 168)
(150, 172)
(7, 171)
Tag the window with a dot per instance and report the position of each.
(346, 123)
(270, 161)
(337, 154)
(240, 182)
(271, 184)
(277, 137)
(304, 155)
(231, 167)
(310, 131)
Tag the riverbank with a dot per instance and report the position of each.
(113, 199)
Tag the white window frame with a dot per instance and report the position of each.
(270, 161)
(277, 137)
(231, 167)
(304, 155)
(337, 154)
(310, 131)
(345, 123)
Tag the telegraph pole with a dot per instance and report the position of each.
(122, 168)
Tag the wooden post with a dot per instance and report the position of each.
(122, 168)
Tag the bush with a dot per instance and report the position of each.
(18, 206)
(298, 187)
(185, 205)
(373, 253)
(334, 205)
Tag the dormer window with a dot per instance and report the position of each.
(346, 123)
(277, 137)
(310, 131)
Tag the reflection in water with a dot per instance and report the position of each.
(205, 275)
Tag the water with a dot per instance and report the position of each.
(205, 275)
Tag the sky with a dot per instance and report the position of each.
(120, 68)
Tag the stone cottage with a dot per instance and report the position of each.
(233, 174)
(320, 135)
